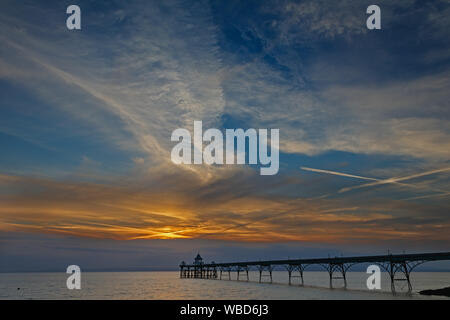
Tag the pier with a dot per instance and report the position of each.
(399, 267)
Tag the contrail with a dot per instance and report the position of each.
(376, 182)
(396, 180)
(337, 173)
(351, 176)
(429, 196)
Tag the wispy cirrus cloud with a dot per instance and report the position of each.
(149, 83)
(347, 99)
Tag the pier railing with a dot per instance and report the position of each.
(337, 267)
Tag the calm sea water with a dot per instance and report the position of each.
(168, 285)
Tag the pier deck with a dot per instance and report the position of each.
(336, 267)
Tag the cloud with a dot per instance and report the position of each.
(357, 97)
(307, 20)
(152, 88)
(380, 120)
(137, 72)
(238, 207)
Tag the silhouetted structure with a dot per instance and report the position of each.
(393, 264)
(198, 269)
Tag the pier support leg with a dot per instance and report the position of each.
(339, 267)
(392, 276)
(300, 270)
(403, 267)
(406, 272)
(343, 272)
(270, 271)
(261, 270)
(290, 275)
(330, 272)
(290, 268)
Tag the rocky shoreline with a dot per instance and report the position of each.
(437, 292)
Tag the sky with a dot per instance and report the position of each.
(86, 118)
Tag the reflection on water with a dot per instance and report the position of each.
(168, 285)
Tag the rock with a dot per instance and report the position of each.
(437, 292)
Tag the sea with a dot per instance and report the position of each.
(169, 286)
